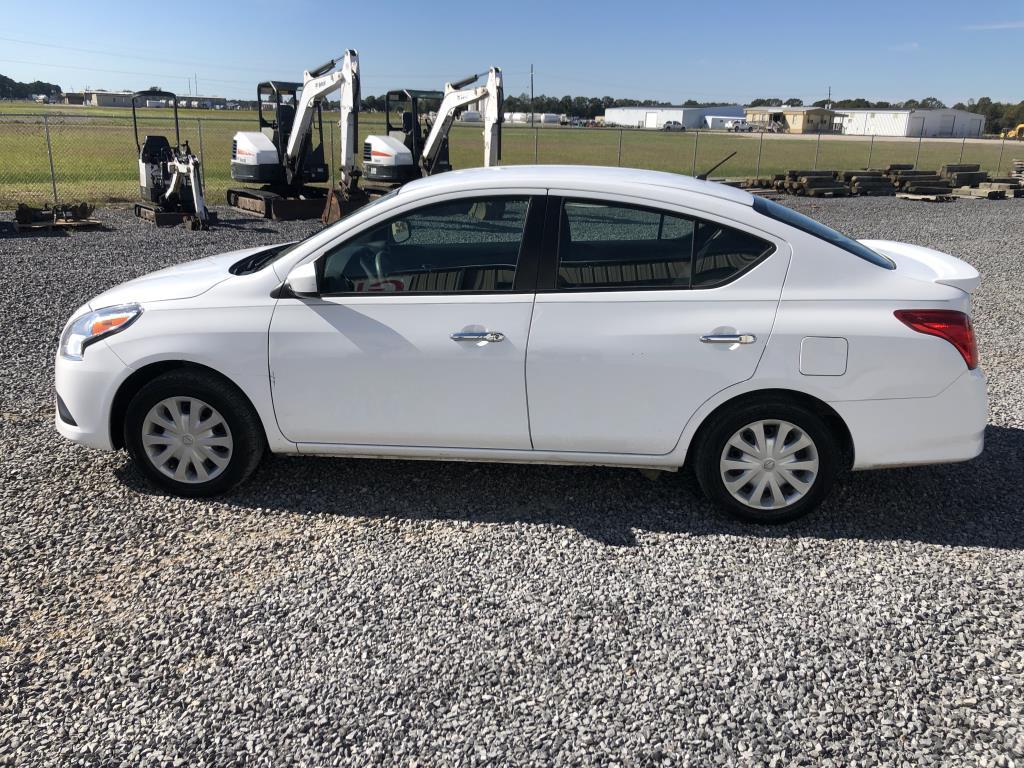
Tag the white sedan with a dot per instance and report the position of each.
(547, 314)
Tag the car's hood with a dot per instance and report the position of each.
(179, 282)
(927, 264)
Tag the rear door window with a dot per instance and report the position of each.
(614, 246)
(721, 254)
(621, 247)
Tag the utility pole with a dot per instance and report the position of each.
(830, 97)
(196, 76)
(531, 94)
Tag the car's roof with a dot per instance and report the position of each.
(583, 177)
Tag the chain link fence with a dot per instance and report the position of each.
(67, 158)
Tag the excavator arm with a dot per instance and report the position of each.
(317, 85)
(489, 96)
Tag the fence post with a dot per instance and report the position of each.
(871, 150)
(999, 163)
(696, 138)
(962, 145)
(760, 146)
(920, 136)
(49, 154)
(618, 162)
(817, 146)
(199, 126)
(536, 142)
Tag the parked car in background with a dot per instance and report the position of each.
(673, 125)
(545, 314)
(739, 125)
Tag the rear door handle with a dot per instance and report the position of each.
(729, 338)
(491, 336)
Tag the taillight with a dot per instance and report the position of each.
(955, 327)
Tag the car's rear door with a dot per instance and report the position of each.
(419, 335)
(642, 314)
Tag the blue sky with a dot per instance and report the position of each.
(732, 51)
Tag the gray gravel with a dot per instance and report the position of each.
(407, 613)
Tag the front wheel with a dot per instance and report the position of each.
(767, 462)
(193, 434)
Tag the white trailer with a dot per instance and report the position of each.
(929, 123)
(691, 118)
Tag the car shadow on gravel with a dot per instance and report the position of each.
(975, 504)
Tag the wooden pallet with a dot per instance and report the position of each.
(35, 226)
(926, 198)
(980, 194)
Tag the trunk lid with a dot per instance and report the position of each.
(927, 264)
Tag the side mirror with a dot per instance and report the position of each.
(302, 280)
(400, 231)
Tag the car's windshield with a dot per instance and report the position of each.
(257, 261)
(810, 226)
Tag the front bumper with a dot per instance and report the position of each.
(901, 432)
(87, 388)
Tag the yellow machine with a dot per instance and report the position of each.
(1015, 133)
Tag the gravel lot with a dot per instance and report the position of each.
(408, 613)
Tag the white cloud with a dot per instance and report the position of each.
(904, 47)
(995, 26)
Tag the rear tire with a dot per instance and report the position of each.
(193, 434)
(767, 462)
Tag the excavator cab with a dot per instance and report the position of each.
(415, 108)
(278, 102)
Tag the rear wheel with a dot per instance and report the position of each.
(767, 462)
(193, 434)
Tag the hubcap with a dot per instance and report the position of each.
(769, 464)
(187, 439)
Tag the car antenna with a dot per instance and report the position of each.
(704, 176)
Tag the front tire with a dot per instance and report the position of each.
(193, 434)
(767, 462)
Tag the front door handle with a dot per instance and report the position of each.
(729, 338)
(478, 336)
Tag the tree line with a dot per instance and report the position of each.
(12, 89)
(999, 116)
(587, 107)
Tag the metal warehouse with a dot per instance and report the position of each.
(656, 117)
(910, 122)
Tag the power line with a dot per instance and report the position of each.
(162, 75)
(121, 55)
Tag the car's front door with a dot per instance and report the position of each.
(418, 336)
(646, 315)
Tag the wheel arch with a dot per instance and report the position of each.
(140, 378)
(844, 438)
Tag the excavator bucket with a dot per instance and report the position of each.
(340, 204)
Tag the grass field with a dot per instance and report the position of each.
(94, 153)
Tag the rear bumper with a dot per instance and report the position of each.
(901, 432)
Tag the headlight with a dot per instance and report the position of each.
(93, 326)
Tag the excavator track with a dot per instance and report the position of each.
(271, 205)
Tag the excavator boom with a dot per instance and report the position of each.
(489, 96)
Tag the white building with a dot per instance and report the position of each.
(929, 123)
(656, 117)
